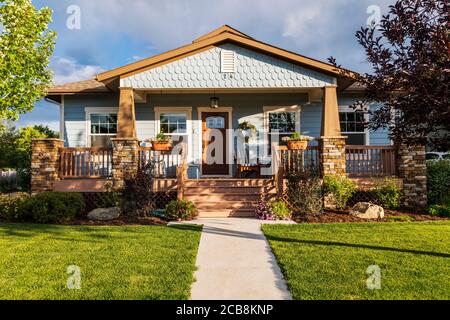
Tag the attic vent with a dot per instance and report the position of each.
(227, 61)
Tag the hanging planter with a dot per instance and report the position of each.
(162, 143)
(297, 142)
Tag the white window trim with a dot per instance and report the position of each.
(188, 111)
(230, 140)
(271, 109)
(90, 110)
(347, 108)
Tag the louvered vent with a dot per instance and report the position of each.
(227, 61)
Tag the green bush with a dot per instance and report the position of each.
(438, 181)
(441, 210)
(181, 210)
(340, 187)
(388, 193)
(279, 210)
(304, 193)
(11, 206)
(53, 207)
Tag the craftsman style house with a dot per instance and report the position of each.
(217, 83)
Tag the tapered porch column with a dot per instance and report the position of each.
(126, 118)
(125, 146)
(331, 143)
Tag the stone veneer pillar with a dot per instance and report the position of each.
(45, 164)
(332, 155)
(412, 167)
(124, 160)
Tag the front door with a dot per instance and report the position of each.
(214, 143)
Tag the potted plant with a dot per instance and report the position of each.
(162, 142)
(247, 129)
(297, 142)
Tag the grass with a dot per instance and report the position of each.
(130, 262)
(329, 261)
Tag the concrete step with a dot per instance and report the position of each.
(218, 197)
(230, 182)
(229, 190)
(226, 214)
(222, 205)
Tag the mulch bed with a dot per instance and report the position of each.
(330, 216)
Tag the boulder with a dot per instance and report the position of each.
(366, 210)
(104, 214)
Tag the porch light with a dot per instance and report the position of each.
(214, 102)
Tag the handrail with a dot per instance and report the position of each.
(370, 161)
(85, 162)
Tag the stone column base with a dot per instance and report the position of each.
(332, 155)
(124, 160)
(45, 164)
(412, 167)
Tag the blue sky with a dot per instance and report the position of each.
(116, 32)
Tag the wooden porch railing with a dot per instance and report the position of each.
(163, 163)
(370, 161)
(299, 161)
(85, 162)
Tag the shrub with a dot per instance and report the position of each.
(181, 210)
(262, 211)
(279, 210)
(273, 210)
(441, 210)
(137, 195)
(53, 207)
(340, 187)
(388, 193)
(304, 192)
(438, 181)
(11, 206)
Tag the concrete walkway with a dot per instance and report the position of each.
(234, 261)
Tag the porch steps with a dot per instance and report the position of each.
(218, 198)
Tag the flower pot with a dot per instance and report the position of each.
(162, 146)
(297, 145)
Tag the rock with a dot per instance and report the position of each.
(366, 210)
(104, 214)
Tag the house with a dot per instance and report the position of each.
(214, 84)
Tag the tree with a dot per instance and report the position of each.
(26, 45)
(409, 53)
(15, 149)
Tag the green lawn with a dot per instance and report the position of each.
(130, 262)
(329, 261)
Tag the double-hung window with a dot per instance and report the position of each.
(352, 126)
(174, 124)
(281, 122)
(102, 127)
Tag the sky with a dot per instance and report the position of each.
(112, 33)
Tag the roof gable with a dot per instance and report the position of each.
(217, 37)
(202, 71)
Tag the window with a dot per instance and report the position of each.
(352, 125)
(103, 127)
(283, 123)
(174, 125)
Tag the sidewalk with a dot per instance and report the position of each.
(234, 261)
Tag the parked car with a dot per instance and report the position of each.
(437, 155)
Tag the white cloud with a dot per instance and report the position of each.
(67, 70)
